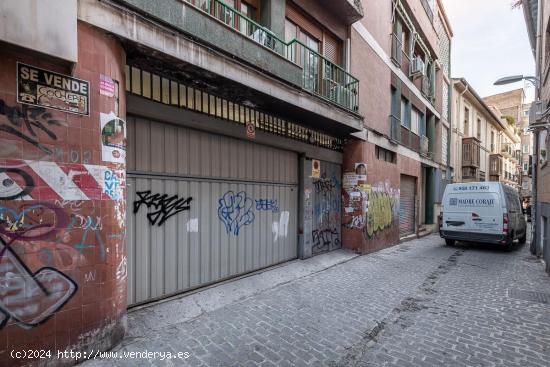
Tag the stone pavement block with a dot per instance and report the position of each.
(420, 303)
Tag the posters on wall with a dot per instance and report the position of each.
(315, 168)
(106, 86)
(43, 88)
(113, 138)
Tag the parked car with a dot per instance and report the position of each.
(487, 212)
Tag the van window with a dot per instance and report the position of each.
(464, 202)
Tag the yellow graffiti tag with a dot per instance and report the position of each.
(379, 213)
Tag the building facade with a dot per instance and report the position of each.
(484, 147)
(537, 18)
(405, 105)
(513, 108)
(151, 148)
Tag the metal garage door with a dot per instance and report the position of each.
(204, 207)
(407, 205)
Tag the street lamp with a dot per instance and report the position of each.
(517, 78)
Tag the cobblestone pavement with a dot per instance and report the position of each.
(420, 303)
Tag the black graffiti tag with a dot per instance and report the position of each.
(164, 206)
(29, 118)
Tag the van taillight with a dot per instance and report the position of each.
(505, 223)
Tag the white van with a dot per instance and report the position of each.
(488, 212)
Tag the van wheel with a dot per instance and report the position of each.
(523, 238)
(450, 242)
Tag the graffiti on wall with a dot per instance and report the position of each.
(41, 180)
(28, 297)
(29, 124)
(235, 211)
(164, 206)
(325, 239)
(371, 208)
(267, 205)
(326, 213)
(51, 223)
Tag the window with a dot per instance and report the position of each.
(526, 149)
(415, 120)
(405, 113)
(525, 185)
(493, 148)
(525, 168)
(466, 121)
(383, 154)
(479, 129)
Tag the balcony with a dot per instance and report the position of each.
(495, 166)
(470, 152)
(395, 129)
(324, 78)
(424, 145)
(404, 136)
(506, 150)
(426, 87)
(399, 56)
(319, 75)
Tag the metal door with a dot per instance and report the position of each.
(203, 208)
(407, 205)
(327, 196)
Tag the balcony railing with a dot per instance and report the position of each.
(495, 165)
(424, 145)
(506, 149)
(395, 128)
(323, 77)
(426, 87)
(470, 152)
(320, 76)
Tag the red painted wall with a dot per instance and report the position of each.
(62, 210)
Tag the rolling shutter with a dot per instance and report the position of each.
(407, 206)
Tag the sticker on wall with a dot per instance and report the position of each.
(250, 130)
(39, 87)
(113, 138)
(315, 168)
(361, 171)
(106, 86)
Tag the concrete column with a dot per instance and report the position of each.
(305, 219)
(272, 16)
(431, 183)
(430, 133)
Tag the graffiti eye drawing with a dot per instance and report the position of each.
(14, 183)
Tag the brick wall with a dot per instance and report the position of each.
(62, 255)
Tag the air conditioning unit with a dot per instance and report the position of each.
(417, 66)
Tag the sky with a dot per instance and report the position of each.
(490, 41)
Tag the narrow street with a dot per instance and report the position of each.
(419, 303)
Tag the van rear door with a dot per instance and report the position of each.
(472, 212)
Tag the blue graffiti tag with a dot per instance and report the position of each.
(267, 205)
(235, 211)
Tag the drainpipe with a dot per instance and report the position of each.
(460, 105)
(534, 201)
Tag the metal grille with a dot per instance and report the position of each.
(164, 90)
